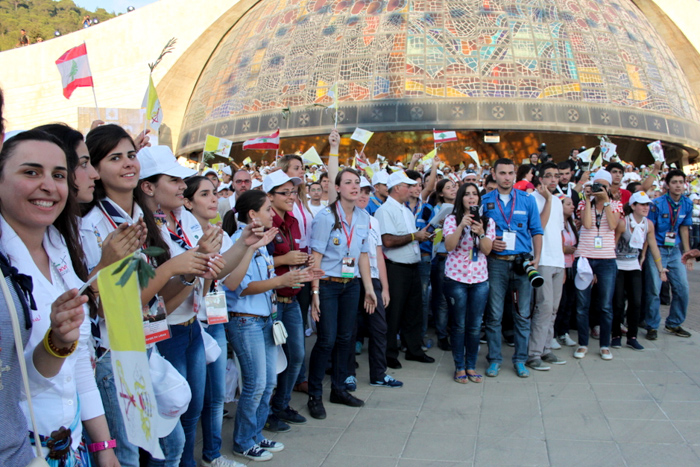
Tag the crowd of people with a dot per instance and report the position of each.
(522, 254)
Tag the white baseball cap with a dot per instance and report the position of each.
(227, 170)
(210, 171)
(640, 197)
(172, 392)
(603, 175)
(399, 177)
(365, 183)
(223, 186)
(380, 178)
(584, 274)
(468, 173)
(157, 160)
(256, 184)
(278, 178)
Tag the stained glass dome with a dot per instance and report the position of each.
(587, 66)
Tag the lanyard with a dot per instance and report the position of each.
(673, 212)
(348, 237)
(512, 208)
(598, 217)
(180, 238)
(418, 209)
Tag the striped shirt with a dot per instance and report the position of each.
(586, 237)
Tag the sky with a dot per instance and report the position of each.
(118, 6)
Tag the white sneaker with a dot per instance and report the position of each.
(566, 340)
(221, 462)
(555, 345)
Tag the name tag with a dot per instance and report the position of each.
(347, 270)
(509, 239)
(520, 212)
(598, 242)
(670, 239)
(216, 308)
(155, 323)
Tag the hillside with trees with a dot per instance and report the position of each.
(41, 19)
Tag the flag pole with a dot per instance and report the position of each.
(94, 95)
(336, 117)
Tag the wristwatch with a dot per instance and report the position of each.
(605, 205)
(481, 236)
(102, 445)
(315, 292)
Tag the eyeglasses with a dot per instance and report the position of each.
(286, 194)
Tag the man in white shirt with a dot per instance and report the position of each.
(552, 269)
(241, 183)
(400, 240)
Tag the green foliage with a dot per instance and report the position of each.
(40, 18)
(137, 263)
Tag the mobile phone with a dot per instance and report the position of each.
(474, 211)
(431, 228)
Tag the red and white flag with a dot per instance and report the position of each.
(444, 136)
(265, 142)
(75, 70)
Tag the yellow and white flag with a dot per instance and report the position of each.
(428, 157)
(218, 146)
(311, 156)
(469, 151)
(154, 113)
(586, 155)
(361, 135)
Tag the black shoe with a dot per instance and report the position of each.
(677, 330)
(652, 335)
(275, 425)
(344, 397)
(420, 358)
(291, 416)
(393, 363)
(316, 409)
(444, 344)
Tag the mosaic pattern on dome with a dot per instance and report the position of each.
(287, 53)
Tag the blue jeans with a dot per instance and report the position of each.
(290, 315)
(438, 303)
(424, 268)
(500, 276)
(213, 408)
(338, 303)
(127, 453)
(677, 277)
(185, 351)
(605, 271)
(255, 348)
(466, 303)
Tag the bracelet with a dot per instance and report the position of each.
(102, 445)
(413, 237)
(657, 260)
(184, 281)
(332, 155)
(315, 292)
(55, 351)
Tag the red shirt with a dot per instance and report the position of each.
(287, 239)
(625, 196)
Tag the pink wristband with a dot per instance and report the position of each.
(102, 445)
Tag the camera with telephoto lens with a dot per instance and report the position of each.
(597, 188)
(522, 265)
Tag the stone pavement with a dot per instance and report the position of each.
(640, 409)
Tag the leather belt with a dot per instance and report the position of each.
(188, 322)
(503, 257)
(233, 314)
(342, 280)
(286, 299)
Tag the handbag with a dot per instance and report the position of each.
(39, 460)
(279, 332)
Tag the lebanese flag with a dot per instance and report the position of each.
(75, 70)
(266, 142)
(444, 136)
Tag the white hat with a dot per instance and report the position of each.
(278, 178)
(640, 197)
(399, 164)
(157, 160)
(380, 178)
(399, 177)
(365, 183)
(603, 175)
(256, 184)
(227, 170)
(210, 171)
(467, 173)
(172, 392)
(693, 196)
(440, 172)
(584, 274)
(223, 186)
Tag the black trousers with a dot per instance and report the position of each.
(628, 283)
(566, 305)
(374, 327)
(405, 311)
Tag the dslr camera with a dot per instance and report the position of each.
(522, 265)
(597, 188)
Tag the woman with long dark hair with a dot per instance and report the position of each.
(469, 237)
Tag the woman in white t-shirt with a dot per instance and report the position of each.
(635, 237)
(468, 240)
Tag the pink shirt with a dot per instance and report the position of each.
(459, 265)
(569, 240)
(586, 237)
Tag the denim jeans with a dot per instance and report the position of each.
(338, 303)
(213, 408)
(500, 276)
(677, 277)
(438, 304)
(466, 303)
(290, 315)
(185, 351)
(127, 453)
(255, 348)
(605, 271)
(424, 268)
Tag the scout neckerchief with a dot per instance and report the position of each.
(179, 236)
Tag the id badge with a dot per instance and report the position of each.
(598, 242)
(347, 270)
(197, 303)
(217, 312)
(509, 239)
(670, 239)
(155, 322)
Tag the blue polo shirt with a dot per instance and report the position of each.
(525, 220)
(373, 204)
(333, 243)
(664, 210)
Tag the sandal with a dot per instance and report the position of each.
(462, 379)
(474, 378)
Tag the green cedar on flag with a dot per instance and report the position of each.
(265, 142)
(74, 69)
(444, 136)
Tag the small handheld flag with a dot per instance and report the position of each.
(154, 112)
(265, 142)
(444, 136)
(361, 135)
(312, 156)
(75, 70)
